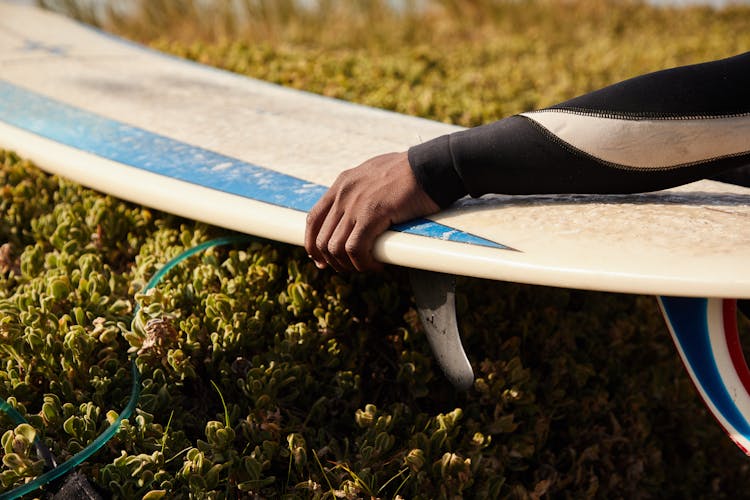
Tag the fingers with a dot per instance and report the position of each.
(361, 241)
(344, 243)
(341, 239)
(331, 241)
(315, 219)
(360, 205)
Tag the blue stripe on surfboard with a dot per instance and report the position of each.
(689, 320)
(158, 154)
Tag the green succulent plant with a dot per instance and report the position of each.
(264, 377)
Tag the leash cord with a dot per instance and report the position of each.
(135, 391)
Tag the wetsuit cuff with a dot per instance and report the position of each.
(432, 164)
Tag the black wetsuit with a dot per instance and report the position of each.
(648, 133)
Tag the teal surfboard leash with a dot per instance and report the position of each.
(60, 470)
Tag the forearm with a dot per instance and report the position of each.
(651, 132)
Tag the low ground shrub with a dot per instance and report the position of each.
(266, 377)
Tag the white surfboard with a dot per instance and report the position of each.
(204, 143)
(254, 157)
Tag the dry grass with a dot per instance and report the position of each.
(462, 62)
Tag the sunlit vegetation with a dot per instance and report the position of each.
(264, 377)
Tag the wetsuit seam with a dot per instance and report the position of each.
(640, 116)
(583, 154)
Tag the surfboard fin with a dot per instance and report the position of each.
(436, 303)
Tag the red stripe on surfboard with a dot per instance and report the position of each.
(732, 336)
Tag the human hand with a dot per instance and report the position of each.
(361, 204)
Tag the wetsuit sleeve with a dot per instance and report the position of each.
(648, 133)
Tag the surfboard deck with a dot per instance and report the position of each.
(254, 157)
